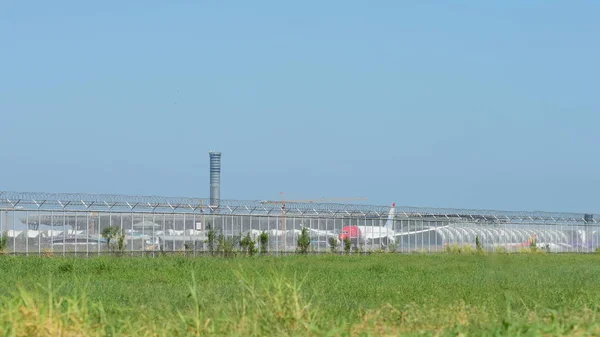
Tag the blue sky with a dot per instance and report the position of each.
(442, 104)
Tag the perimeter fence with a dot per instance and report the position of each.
(82, 224)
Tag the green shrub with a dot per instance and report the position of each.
(109, 233)
(303, 241)
(114, 232)
(347, 245)
(227, 245)
(263, 239)
(478, 245)
(3, 242)
(211, 240)
(333, 244)
(121, 242)
(248, 245)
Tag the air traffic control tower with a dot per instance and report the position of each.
(215, 178)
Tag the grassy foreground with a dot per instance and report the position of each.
(377, 295)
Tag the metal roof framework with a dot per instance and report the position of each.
(78, 202)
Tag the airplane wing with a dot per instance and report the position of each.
(397, 234)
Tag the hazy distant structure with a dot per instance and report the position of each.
(215, 178)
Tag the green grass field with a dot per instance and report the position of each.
(375, 295)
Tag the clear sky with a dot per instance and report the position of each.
(442, 104)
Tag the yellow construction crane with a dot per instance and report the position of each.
(284, 209)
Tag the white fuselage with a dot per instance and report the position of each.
(375, 234)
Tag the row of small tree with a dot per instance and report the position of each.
(304, 243)
(333, 245)
(218, 243)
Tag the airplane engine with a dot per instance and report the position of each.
(387, 242)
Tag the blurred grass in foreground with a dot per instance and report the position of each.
(377, 295)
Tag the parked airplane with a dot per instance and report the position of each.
(361, 235)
